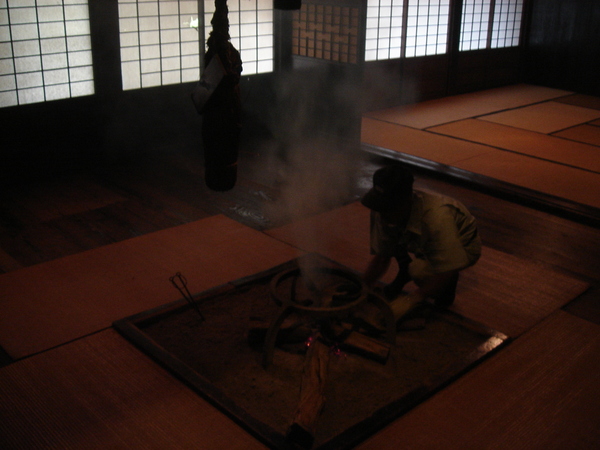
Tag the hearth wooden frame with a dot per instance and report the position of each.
(132, 328)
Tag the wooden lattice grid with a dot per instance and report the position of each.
(326, 32)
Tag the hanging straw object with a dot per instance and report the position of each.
(217, 98)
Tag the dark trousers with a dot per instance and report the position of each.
(394, 289)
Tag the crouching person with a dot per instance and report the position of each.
(432, 237)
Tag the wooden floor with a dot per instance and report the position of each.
(69, 215)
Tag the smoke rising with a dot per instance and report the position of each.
(317, 151)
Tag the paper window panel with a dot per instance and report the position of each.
(155, 39)
(490, 24)
(326, 32)
(50, 51)
(507, 23)
(427, 27)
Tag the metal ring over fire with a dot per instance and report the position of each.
(319, 310)
(289, 305)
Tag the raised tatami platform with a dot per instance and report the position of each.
(537, 143)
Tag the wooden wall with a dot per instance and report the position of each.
(563, 46)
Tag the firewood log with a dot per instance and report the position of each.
(403, 304)
(368, 347)
(312, 395)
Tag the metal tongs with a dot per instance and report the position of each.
(179, 281)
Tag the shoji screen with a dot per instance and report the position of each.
(159, 43)
(45, 51)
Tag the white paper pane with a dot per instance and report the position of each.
(21, 48)
(81, 74)
(150, 80)
(57, 92)
(22, 15)
(166, 38)
(50, 14)
(7, 67)
(52, 29)
(189, 75)
(56, 76)
(130, 73)
(8, 98)
(31, 95)
(28, 80)
(77, 43)
(28, 64)
(80, 58)
(56, 61)
(24, 32)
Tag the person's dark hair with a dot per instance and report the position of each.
(392, 184)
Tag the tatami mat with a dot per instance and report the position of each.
(423, 144)
(563, 182)
(588, 134)
(501, 291)
(546, 117)
(511, 294)
(52, 303)
(449, 109)
(526, 142)
(585, 101)
(101, 393)
(509, 402)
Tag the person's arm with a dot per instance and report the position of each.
(377, 267)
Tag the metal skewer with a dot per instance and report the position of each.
(179, 281)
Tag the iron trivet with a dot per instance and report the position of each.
(250, 349)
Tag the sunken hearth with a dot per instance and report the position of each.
(292, 354)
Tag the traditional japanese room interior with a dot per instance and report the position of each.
(110, 228)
